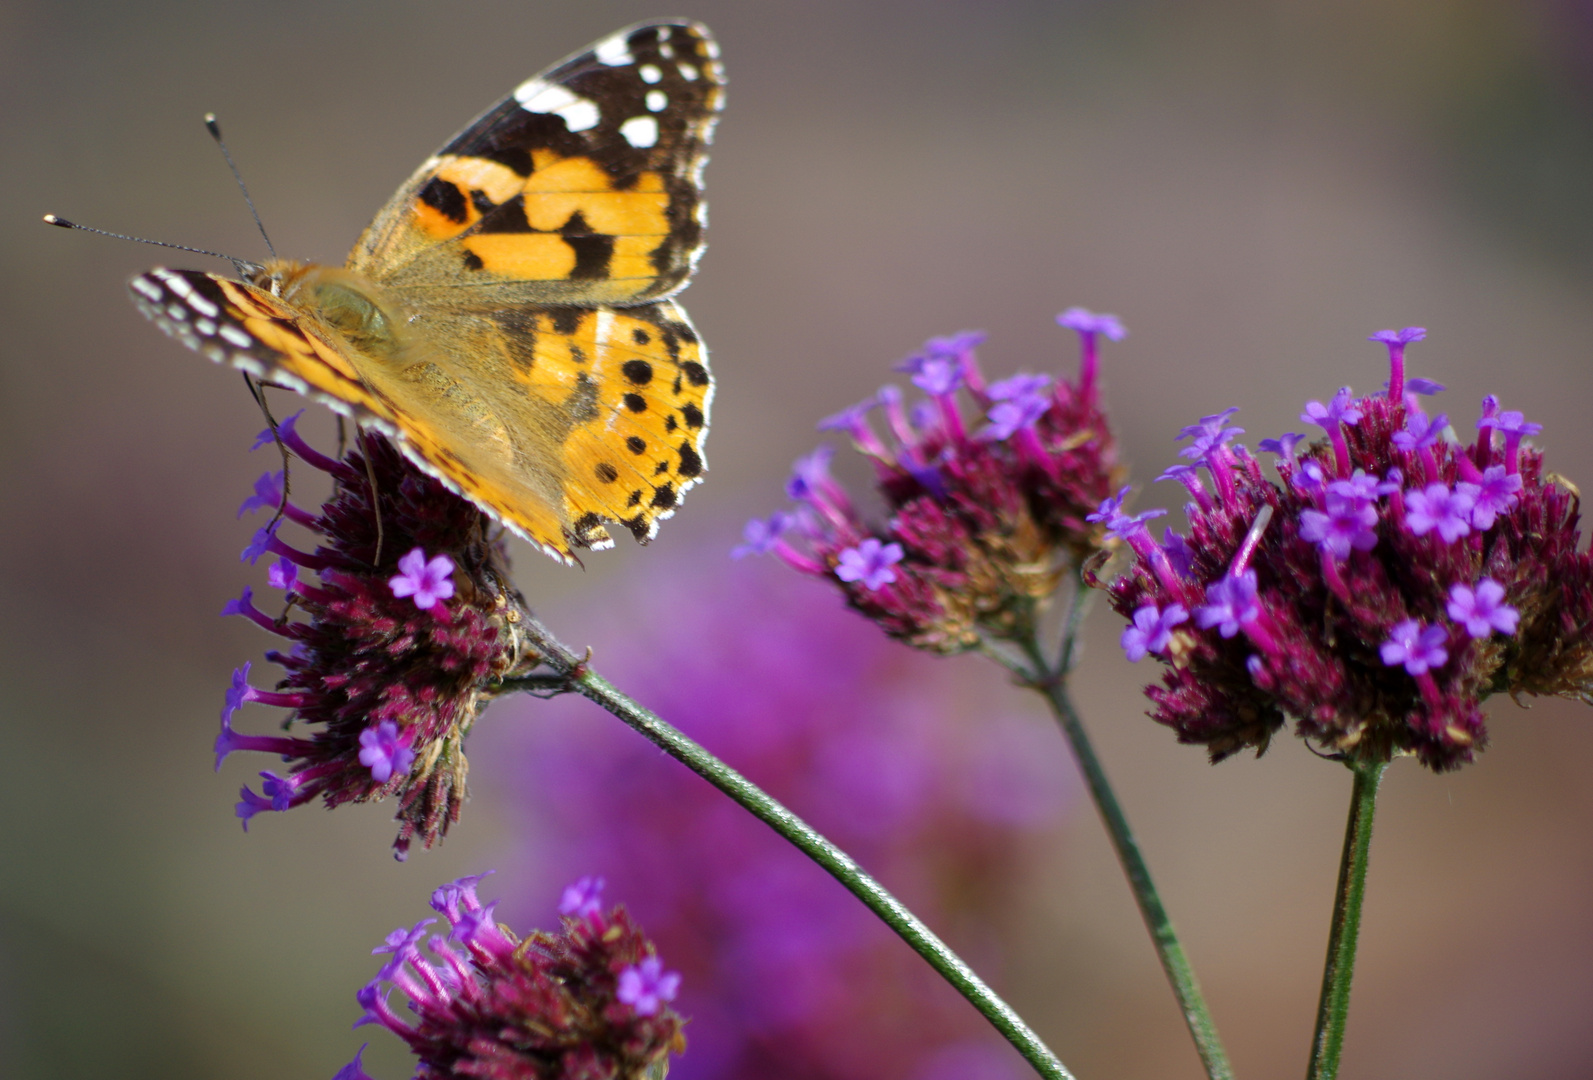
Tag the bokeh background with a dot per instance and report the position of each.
(1253, 185)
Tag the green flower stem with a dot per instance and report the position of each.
(1334, 1008)
(1052, 685)
(577, 675)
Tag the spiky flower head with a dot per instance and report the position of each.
(1377, 591)
(406, 629)
(984, 516)
(590, 1002)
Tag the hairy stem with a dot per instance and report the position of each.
(578, 676)
(1334, 1008)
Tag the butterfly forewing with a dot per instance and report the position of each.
(582, 186)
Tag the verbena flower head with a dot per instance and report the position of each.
(786, 975)
(984, 511)
(397, 642)
(1386, 582)
(591, 1002)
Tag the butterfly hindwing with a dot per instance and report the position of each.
(582, 186)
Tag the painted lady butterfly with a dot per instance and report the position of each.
(505, 318)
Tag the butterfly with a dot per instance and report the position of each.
(506, 318)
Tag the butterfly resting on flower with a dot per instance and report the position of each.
(506, 319)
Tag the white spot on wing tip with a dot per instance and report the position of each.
(614, 51)
(649, 73)
(640, 131)
(656, 100)
(537, 96)
(147, 287)
(688, 71)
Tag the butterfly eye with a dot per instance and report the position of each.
(352, 313)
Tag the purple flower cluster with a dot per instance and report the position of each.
(1387, 582)
(408, 625)
(787, 977)
(984, 518)
(588, 1003)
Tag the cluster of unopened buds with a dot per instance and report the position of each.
(410, 624)
(983, 519)
(1386, 582)
(591, 1001)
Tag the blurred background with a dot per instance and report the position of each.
(1253, 185)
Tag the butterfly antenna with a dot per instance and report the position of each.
(215, 133)
(243, 265)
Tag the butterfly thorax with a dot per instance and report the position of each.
(353, 306)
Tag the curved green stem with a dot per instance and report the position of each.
(1334, 1008)
(1052, 685)
(579, 677)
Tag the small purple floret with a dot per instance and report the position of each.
(645, 987)
(282, 574)
(267, 494)
(1086, 321)
(869, 563)
(1420, 432)
(354, 1070)
(583, 899)
(760, 535)
(1482, 610)
(1420, 649)
(933, 373)
(1343, 409)
(1015, 410)
(1399, 337)
(1439, 507)
(1230, 603)
(1494, 496)
(1152, 630)
(385, 751)
(428, 582)
(1283, 445)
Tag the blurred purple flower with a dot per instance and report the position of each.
(863, 739)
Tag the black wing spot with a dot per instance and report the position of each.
(479, 200)
(690, 461)
(473, 261)
(606, 472)
(635, 402)
(638, 527)
(670, 423)
(664, 496)
(661, 467)
(692, 415)
(636, 444)
(636, 497)
(593, 250)
(586, 526)
(640, 336)
(639, 372)
(696, 374)
(567, 320)
(446, 199)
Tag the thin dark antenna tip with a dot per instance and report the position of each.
(243, 265)
(214, 127)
